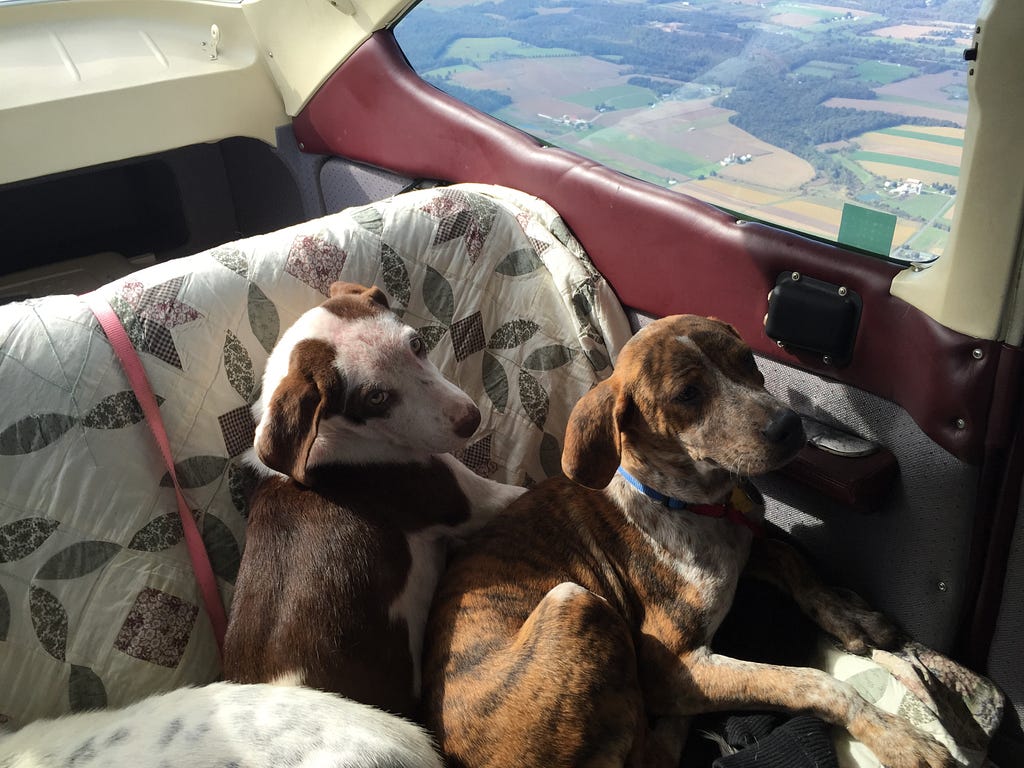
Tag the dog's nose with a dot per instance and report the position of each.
(466, 424)
(785, 426)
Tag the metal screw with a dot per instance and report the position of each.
(795, 276)
(961, 423)
(781, 344)
(827, 360)
(302, 146)
(270, 54)
(943, 587)
(977, 354)
(842, 290)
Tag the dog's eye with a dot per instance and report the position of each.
(418, 346)
(377, 397)
(689, 394)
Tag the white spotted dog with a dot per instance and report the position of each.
(225, 724)
(348, 532)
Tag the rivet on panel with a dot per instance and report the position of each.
(961, 424)
(842, 290)
(943, 587)
(977, 354)
(795, 276)
(826, 360)
(781, 344)
(302, 147)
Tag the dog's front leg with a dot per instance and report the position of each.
(486, 497)
(709, 682)
(842, 614)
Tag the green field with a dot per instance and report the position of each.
(616, 162)
(803, 34)
(617, 96)
(482, 49)
(950, 140)
(809, 70)
(922, 206)
(653, 152)
(824, 14)
(826, 69)
(930, 240)
(950, 105)
(906, 162)
(804, 10)
(884, 73)
(442, 72)
(862, 174)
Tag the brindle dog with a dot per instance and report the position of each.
(575, 630)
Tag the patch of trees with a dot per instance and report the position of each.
(789, 113)
(844, 48)
(626, 30)
(660, 87)
(486, 100)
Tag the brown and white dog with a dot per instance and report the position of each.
(347, 537)
(575, 629)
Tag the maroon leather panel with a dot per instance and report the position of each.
(663, 252)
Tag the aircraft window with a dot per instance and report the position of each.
(842, 121)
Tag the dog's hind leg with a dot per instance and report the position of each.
(707, 682)
(567, 687)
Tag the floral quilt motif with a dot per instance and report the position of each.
(150, 314)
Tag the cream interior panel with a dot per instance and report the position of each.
(94, 81)
(303, 49)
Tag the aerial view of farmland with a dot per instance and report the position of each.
(779, 111)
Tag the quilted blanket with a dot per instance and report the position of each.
(98, 605)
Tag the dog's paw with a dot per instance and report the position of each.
(898, 744)
(920, 752)
(847, 617)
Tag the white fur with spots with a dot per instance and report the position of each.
(224, 725)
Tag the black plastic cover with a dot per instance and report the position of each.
(815, 316)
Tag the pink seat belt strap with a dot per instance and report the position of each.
(125, 352)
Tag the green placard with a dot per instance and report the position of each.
(867, 229)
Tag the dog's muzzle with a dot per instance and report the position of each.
(785, 428)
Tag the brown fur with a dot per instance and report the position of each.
(575, 629)
(343, 549)
(313, 597)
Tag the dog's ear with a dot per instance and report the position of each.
(289, 425)
(727, 326)
(593, 437)
(340, 288)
